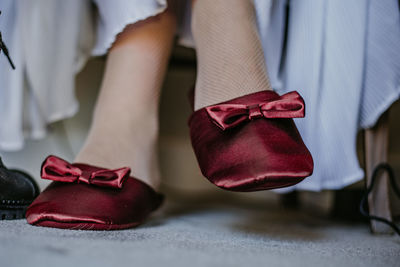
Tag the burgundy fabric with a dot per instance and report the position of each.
(225, 116)
(91, 207)
(57, 169)
(259, 152)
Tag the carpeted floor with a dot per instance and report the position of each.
(204, 233)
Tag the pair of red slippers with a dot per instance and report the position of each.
(249, 143)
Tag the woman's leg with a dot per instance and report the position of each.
(124, 129)
(229, 51)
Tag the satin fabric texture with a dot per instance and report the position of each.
(86, 197)
(251, 143)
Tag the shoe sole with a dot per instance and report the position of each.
(85, 225)
(12, 214)
(13, 209)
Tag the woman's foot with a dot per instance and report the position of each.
(242, 132)
(123, 133)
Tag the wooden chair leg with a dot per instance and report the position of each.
(376, 151)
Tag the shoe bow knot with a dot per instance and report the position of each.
(226, 116)
(57, 169)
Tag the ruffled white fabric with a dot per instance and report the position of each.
(49, 42)
(46, 44)
(114, 16)
(342, 56)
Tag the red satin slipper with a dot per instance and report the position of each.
(87, 197)
(251, 143)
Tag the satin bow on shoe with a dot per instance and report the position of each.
(76, 201)
(57, 169)
(226, 116)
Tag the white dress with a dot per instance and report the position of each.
(342, 56)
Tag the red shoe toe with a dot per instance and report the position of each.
(251, 143)
(93, 199)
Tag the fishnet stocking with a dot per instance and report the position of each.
(229, 51)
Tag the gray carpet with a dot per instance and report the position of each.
(206, 234)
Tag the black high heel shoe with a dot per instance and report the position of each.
(17, 191)
(382, 167)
